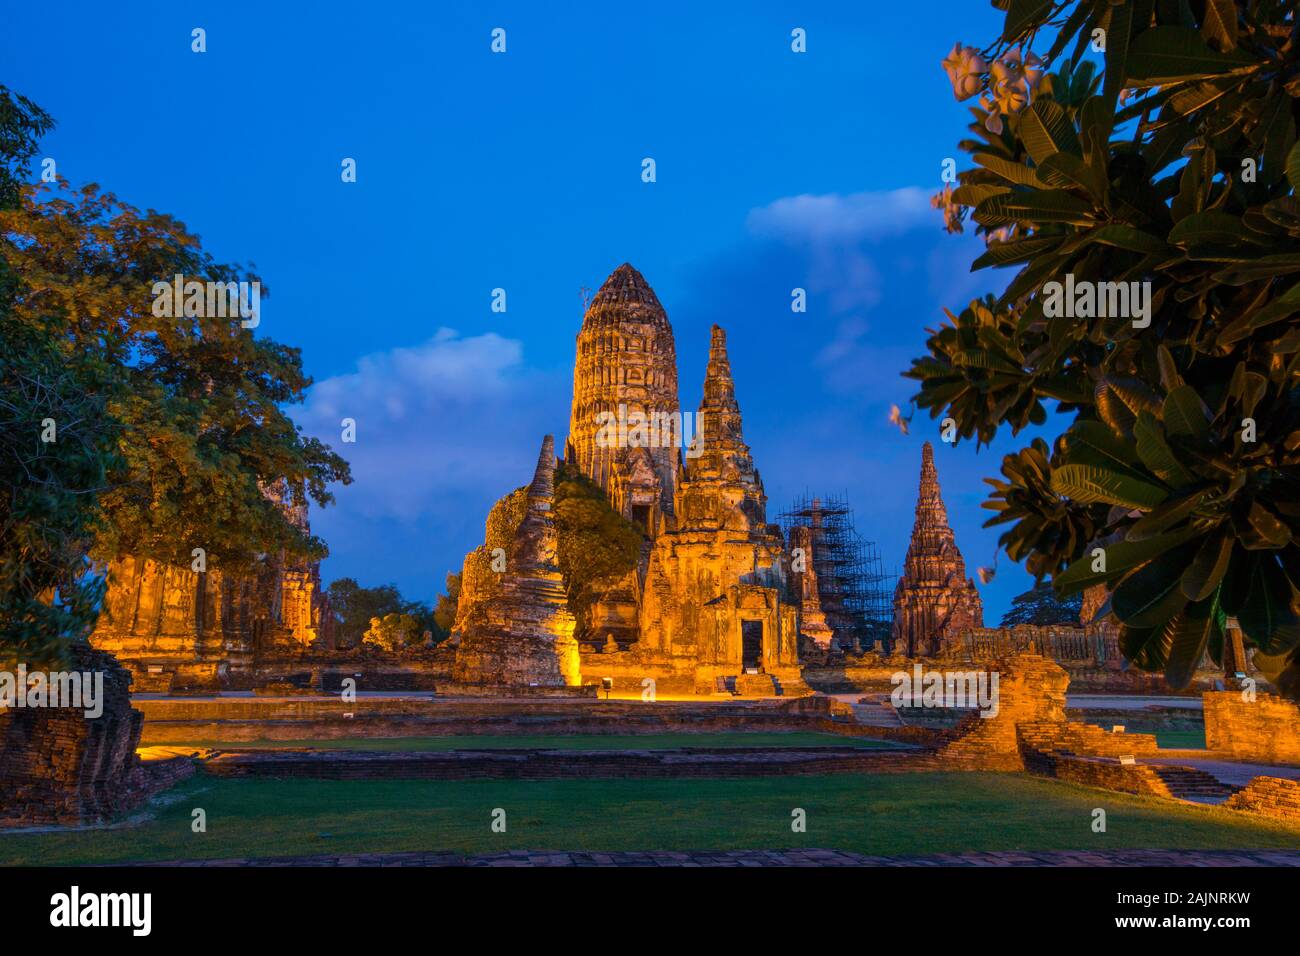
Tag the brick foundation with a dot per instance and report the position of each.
(1266, 730)
(1269, 796)
(58, 767)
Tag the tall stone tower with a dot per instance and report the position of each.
(723, 485)
(934, 602)
(626, 367)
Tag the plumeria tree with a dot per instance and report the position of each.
(1133, 165)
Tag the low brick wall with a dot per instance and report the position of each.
(1105, 773)
(242, 719)
(1269, 796)
(58, 767)
(1266, 729)
(565, 764)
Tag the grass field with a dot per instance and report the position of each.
(568, 742)
(905, 814)
(1181, 739)
(1184, 735)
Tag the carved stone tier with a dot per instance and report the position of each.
(934, 602)
(626, 366)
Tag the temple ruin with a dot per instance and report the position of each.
(844, 593)
(522, 633)
(707, 604)
(935, 604)
(179, 629)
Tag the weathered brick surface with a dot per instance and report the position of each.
(242, 718)
(934, 602)
(1031, 690)
(1101, 772)
(564, 764)
(1266, 729)
(58, 767)
(1270, 796)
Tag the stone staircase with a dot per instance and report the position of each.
(876, 713)
(1188, 783)
(756, 685)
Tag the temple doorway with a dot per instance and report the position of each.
(751, 646)
(641, 516)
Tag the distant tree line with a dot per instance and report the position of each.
(381, 617)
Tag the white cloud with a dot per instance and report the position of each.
(856, 217)
(451, 418)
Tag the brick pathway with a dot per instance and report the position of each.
(812, 857)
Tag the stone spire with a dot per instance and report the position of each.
(935, 604)
(626, 367)
(541, 492)
(534, 546)
(812, 619)
(523, 633)
(719, 466)
(929, 503)
(623, 297)
(719, 411)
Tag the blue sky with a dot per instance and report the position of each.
(522, 171)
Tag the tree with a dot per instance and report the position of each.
(1041, 606)
(1150, 215)
(355, 608)
(393, 632)
(122, 430)
(56, 443)
(444, 612)
(594, 543)
(198, 399)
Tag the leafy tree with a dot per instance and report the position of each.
(122, 431)
(198, 399)
(594, 542)
(1041, 606)
(356, 607)
(22, 124)
(444, 612)
(56, 443)
(393, 632)
(1175, 483)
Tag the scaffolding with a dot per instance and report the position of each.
(856, 593)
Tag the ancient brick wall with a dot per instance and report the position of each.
(59, 767)
(1270, 796)
(1266, 729)
(1100, 772)
(234, 718)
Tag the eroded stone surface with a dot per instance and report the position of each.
(60, 767)
(522, 634)
(934, 602)
(178, 629)
(706, 603)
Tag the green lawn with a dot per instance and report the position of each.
(569, 742)
(1181, 739)
(1182, 735)
(900, 814)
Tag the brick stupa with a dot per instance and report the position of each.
(523, 634)
(935, 604)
